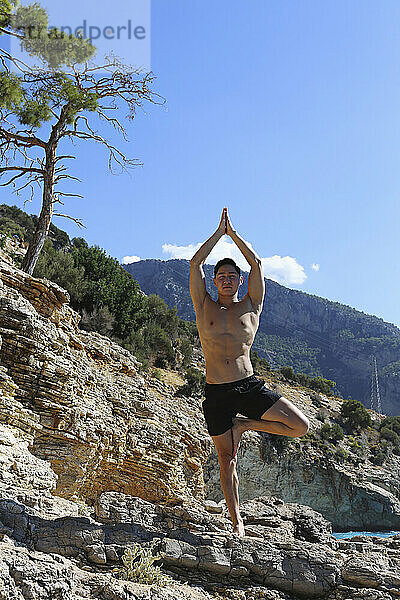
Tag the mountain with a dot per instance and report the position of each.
(313, 335)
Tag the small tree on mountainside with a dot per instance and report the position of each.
(389, 429)
(355, 414)
(332, 433)
(100, 320)
(59, 266)
(194, 384)
(259, 363)
(288, 373)
(62, 105)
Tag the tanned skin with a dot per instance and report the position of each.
(227, 329)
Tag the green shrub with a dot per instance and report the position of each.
(138, 567)
(391, 436)
(145, 365)
(108, 284)
(341, 454)
(391, 423)
(260, 364)
(194, 383)
(355, 414)
(389, 430)
(9, 229)
(331, 432)
(186, 349)
(100, 320)
(156, 373)
(321, 415)
(273, 446)
(379, 452)
(59, 266)
(378, 458)
(288, 373)
(319, 384)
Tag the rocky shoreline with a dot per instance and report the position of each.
(288, 553)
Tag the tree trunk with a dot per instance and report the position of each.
(43, 225)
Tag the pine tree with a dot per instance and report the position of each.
(63, 104)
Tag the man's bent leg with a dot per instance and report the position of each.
(282, 418)
(229, 478)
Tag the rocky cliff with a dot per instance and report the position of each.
(309, 333)
(96, 455)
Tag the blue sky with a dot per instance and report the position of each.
(287, 112)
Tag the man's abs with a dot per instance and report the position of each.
(227, 370)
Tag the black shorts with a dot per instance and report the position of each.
(223, 401)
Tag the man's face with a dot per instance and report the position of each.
(227, 280)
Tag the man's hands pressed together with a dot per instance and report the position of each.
(225, 226)
(229, 228)
(222, 223)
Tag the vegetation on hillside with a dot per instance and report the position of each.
(390, 431)
(108, 299)
(319, 384)
(110, 302)
(287, 350)
(355, 415)
(353, 437)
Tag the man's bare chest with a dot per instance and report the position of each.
(239, 322)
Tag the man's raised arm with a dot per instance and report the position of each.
(200, 256)
(197, 283)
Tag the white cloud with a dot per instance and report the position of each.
(315, 266)
(282, 269)
(222, 249)
(179, 251)
(130, 259)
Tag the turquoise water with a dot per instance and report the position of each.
(349, 534)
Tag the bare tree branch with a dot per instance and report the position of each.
(4, 55)
(27, 141)
(77, 221)
(115, 154)
(12, 179)
(56, 179)
(64, 156)
(24, 169)
(9, 32)
(57, 193)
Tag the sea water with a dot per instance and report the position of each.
(350, 534)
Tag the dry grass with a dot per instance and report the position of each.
(171, 377)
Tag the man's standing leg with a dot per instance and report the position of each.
(229, 478)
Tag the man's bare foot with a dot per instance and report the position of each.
(237, 430)
(238, 529)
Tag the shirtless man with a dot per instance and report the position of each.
(227, 329)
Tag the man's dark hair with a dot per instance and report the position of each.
(226, 261)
